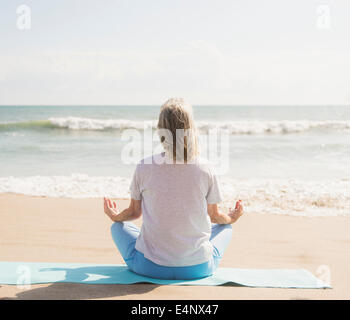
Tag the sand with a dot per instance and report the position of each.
(76, 230)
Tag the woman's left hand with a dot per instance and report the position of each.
(110, 208)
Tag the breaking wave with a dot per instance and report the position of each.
(233, 127)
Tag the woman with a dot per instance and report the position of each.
(183, 234)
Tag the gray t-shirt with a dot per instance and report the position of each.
(176, 226)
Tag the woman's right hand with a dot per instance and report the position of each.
(110, 208)
(235, 213)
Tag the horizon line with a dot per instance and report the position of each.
(156, 105)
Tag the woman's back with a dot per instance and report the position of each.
(183, 234)
(176, 227)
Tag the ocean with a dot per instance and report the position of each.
(281, 159)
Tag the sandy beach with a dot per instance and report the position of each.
(40, 229)
(256, 101)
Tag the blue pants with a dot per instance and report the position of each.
(125, 234)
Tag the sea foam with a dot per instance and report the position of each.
(279, 196)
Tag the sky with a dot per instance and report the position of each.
(137, 52)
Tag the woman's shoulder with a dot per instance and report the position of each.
(200, 162)
(157, 158)
(205, 165)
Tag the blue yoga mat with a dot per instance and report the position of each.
(23, 273)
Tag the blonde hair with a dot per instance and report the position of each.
(177, 130)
